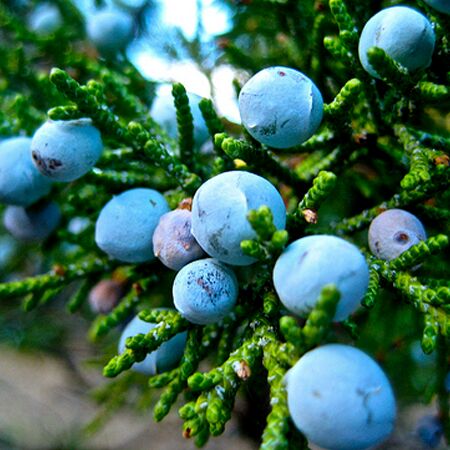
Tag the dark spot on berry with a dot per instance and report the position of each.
(281, 73)
(153, 203)
(46, 165)
(316, 394)
(401, 237)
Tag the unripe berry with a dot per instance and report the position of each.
(125, 226)
(219, 213)
(66, 150)
(403, 33)
(173, 243)
(393, 232)
(21, 184)
(339, 398)
(280, 107)
(205, 291)
(164, 358)
(34, 223)
(310, 263)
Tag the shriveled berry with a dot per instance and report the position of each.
(173, 243)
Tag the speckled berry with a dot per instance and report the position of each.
(164, 358)
(339, 398)
(124, 229)
(205, 291)
(105, 295)
(173, 243)
(403, 33)
(394, 231)
(310, 263)
(34, 223)
(66, 150)
(110, 30)
(21, 184)
(219, 213)
(280, 107)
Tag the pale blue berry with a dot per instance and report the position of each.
(66, 150)
(310, 263)
(442, 6)
(45, 19)
(164, 358)
(394, 231)
(173, 243)
(21, 184)
(205, 291)
(219, 213)
(340, 398)
(164, 113)
(280, 107)
(110, 30)
(125, 226)
(34, 223)
(403, 33)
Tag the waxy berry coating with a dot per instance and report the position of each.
(219, 213)
(65, 150)
(340, 398)
(45, 19)
(21, 184)
(280, 107)
(34, 223)
(125, 226)
(173, 243)
(394, 231)
(442, 6)
(205, 291)
(164, 358)
(403, 33)
(310, 263)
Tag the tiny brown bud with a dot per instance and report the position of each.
(310, 215)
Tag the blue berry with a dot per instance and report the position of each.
(125, 226)
(310, 263)
(430, 431)
(164, 112)
(164, 358)
(219, 213)
(403, 33)
(173, 243)
(442, 6)
(45, 19)
(66, 150)
(205, 291)
(21, 184)
(339, 398)
(394, 231)
(280, 107)
(34, 223)
(105, 295)
(110, 30)
(7, 249)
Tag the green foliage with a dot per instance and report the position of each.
(382, 144)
